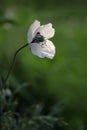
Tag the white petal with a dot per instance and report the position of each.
(44, 50)
(32, 29)
(46, 30)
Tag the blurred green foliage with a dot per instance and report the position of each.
(17, 115)
(64, 77)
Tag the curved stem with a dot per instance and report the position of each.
(13, 61)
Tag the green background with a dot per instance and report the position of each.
(65, 77)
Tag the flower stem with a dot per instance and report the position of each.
(13, 61)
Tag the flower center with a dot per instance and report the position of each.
(38, 33)
(38, 38)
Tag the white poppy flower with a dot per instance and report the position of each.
(38, 40)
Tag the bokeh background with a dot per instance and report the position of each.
(62, 80)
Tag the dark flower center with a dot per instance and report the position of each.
(38, 38)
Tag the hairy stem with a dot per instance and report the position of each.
(13, 61)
